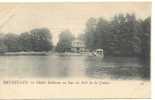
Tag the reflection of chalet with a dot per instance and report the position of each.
(78, 46)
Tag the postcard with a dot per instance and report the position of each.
(93, 50)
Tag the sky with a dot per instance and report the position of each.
(18, 18)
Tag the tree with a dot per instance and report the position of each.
(123, 35)
(3, 47)
(81, 37)
(25, 41)
(90, 33)
(125, 30)
(65, 40)
(102, 35)
(11, 42)
(145, 37)
(41, 39)
(145, 46)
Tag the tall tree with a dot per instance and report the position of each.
(145, 37)
(25, 41)
(65, 40)
(11, 42)
(41, 39)
(123, 35)
(3, 47)
(102, 35)
(90, 33)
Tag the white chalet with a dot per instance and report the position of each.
(78, 46)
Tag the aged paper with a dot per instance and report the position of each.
(75, 50)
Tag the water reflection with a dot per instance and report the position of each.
(67, 66)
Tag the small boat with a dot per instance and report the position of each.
(98, 53)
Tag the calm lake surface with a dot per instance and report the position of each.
(68, 66)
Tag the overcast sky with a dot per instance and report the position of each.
(17, 18)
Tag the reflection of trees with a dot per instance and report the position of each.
(50, 66)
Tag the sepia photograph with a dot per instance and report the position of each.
(105, 41)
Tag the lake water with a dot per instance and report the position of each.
(68, 66)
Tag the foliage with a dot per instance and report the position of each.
(3, 47)
(64, 43)
(11, 42)
(123, 35)
(36, 40)
(25, 41)
(41, 39)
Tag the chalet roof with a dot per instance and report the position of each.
(78, 43)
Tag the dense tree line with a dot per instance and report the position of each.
(35, 40)
(123, 35)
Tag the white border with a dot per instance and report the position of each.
(86, 1)
(74, 1)
(153, 51)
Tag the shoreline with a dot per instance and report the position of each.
(44, 53)
(23, 53)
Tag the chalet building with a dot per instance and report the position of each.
(78, 46)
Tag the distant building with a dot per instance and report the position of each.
(78, 46)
